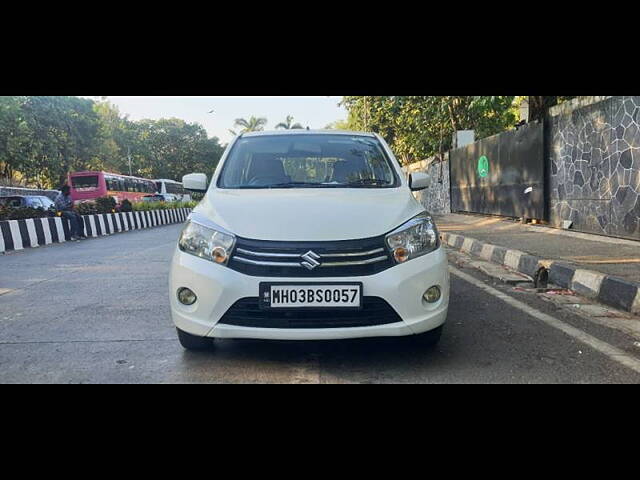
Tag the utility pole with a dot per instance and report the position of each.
(366, 112)
(129, 158)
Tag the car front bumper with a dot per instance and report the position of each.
(219, 287)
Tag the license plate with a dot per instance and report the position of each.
(330, 295)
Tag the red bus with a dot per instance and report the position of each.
(87, 186)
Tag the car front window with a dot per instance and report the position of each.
(307, 161)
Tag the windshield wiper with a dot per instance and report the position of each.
(365, 182)
(294, 184)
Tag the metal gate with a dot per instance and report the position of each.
(501, 175)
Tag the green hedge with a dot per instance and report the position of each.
(101, 205)
(20, 213)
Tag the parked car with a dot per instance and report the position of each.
(165, 185)
(160, 197)
(32, 201)
(308, 235)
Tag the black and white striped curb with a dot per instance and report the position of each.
(612, 291)
(34, 232)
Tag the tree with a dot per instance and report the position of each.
(539, 106)
(14, 136)
(338, 125)
(421, 126)
(63, 135)
(287, 124)
(254, 124)
(42, 139)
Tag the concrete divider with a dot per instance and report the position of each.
(34, 232)
(613, 291)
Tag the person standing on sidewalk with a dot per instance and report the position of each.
(64, 204)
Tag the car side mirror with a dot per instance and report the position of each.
(419, 181)
(195, 182)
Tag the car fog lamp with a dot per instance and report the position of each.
(401, 254)
(219, 255)
(186, 296)
(432, 295)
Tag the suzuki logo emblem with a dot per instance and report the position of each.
(310, 260)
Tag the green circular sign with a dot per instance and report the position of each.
(483, 166)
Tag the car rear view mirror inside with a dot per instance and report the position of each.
(195, 182)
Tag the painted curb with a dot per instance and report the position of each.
(613, 291)
(35, 232)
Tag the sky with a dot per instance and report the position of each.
(315, 112)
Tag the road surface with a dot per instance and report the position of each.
(98, 312)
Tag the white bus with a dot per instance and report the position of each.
(166, 186)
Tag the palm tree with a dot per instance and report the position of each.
(287, 124)
(254, 124)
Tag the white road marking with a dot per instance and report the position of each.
(610, 351)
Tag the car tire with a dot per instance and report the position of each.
(430, 338)
(194, 342)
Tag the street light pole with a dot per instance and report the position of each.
(129, 158)
(365, 114)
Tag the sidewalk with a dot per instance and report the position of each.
(594, 265)
(612, 256)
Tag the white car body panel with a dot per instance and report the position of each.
(310, 214)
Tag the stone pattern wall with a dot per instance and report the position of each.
(594, 167)
(436, 199)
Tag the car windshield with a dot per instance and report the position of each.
(307, 161)
(11, 201)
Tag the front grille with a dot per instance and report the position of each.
(345, 258)
(247, 313)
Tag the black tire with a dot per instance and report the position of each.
(430, 338)
(193, 342)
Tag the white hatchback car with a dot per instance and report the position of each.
(308, 235)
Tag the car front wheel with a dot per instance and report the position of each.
(193, 342)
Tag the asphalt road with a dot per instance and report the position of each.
(97, 312)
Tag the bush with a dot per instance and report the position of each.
(105, 204)
(145, 206)
(21, 213)
(87, 208)
(126, 206)
(101, 205)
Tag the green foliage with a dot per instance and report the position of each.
(126, 206)
(43, 138)
(87, 208)
(254, 124)
(101, 205)
(417, 127)
(145, 206)
(105, 204)
(20, 213)
(539, 105)
(338, 125)
(288, 124)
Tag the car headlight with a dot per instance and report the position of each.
(415, 238)
(206, 243)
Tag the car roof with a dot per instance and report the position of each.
(21, 196)
(301, 131)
